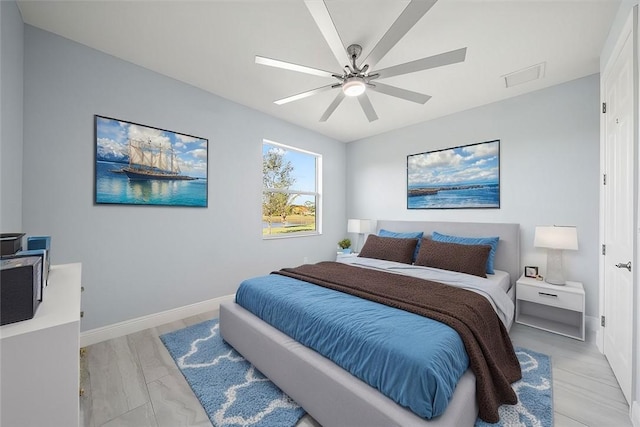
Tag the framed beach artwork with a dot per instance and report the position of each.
(463, 177)
(142, 165)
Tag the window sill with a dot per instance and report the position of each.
(289, 236)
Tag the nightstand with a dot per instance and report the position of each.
(557, 309)
(342, 255)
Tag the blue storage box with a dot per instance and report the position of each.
(39, 242)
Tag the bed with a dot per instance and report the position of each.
(330, 394)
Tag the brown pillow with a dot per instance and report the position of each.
(389, 248)
(469, 259)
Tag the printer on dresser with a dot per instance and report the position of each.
(23, 274)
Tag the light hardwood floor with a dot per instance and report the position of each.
(132, 381)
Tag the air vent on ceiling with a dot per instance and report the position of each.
(528, 74)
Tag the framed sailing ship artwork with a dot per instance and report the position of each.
(465, 177)
(143, 165)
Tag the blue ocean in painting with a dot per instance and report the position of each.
(112, 187)
(452, 197)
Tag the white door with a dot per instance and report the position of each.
(618, 211)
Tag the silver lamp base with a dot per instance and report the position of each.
(555, 271)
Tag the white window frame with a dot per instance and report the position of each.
(317, 194)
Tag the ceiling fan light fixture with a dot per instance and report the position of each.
(354, 86)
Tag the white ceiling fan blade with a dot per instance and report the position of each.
(434, 61)
(409, 95)
(415, 10)
(291, 66)
(365, 103)
(303, 95)
(332, 107)
(320, 14)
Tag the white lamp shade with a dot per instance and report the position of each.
(353, 226)
(360, 226)
(554, 237)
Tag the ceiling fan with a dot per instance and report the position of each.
(355, 80)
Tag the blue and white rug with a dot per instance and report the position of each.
(231, 390)
(535, 394)
(234, 393)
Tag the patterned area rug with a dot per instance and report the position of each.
(234, 393)
(231, 390)
(535, 395)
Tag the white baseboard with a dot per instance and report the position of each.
(600, 341)
(591, 323)
(635, 413)
(145, 322)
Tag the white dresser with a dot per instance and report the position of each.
(39, 358)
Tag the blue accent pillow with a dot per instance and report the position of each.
(491, 241)
(410, 235)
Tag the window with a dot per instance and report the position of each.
(290, 191)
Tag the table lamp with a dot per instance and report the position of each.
(359, 227)
(555, 239)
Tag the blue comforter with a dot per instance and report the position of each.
(414, 360)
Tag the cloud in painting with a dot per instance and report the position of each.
(155, 136)
(199, 153)
(481, 150)
(435, 159)
(478, 163)
(186, 139)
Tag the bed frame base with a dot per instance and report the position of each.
(328, 393)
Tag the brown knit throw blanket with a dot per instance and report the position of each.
(486, 340)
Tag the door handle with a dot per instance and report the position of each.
(627, 265)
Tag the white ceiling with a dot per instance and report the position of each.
(212, 45)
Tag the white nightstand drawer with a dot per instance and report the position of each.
(552, 297)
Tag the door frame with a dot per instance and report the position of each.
(629, 28)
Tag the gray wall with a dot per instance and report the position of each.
(139, 260)
(11, 84)
(549, 170)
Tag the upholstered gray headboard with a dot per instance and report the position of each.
(508, 253)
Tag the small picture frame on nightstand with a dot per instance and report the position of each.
(531, 271)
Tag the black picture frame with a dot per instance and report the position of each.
(137, 164)
(463, 177)
(531, 271)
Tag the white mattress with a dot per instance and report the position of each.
(502, 278)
